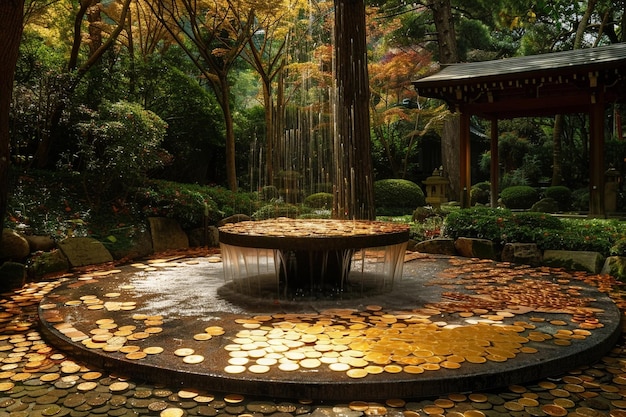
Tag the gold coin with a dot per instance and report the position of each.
(564, 402)
(478, 397)
(86, 386)
(49, 377)
(554, 410)
(136, 355)
(289, 366)
(474, 413)
(153, 330)
(234, 398)
(129, 349)
(6, 386)
(119, 386)
(413, 369)
(183, 352)
(234, 369)
(192, 359)
(358, 405)
(153, 350)
(90, 376)
(258, 369)
(187, 394)
(395, 402)
(433, 409)
(202, 336)
(310, 363)
(172, 412)
(339, 367)
(238, 361)
(374, 369)
(393, 369)
(357, 373)
(444, 403)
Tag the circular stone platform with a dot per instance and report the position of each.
(449, 325)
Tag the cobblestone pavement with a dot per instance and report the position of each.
(37, 379)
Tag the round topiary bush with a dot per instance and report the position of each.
(561, 194)
(480, 193)
(319, 201)
(519, 197)
(396, 197)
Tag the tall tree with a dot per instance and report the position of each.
(267, 52)
(212, 33)
(77, 67)
(11, 19)
(353, 182)
(448, 54)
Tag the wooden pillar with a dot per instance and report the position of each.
(596, 160)
(465, 174)
(494, 172)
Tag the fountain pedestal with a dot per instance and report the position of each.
(312, 257)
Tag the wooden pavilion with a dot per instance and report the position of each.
(577, 81)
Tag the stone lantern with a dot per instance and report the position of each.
(437, 188)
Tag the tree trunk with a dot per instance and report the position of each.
(448, 54)
(231, 168)
(353, 186)
(11, 18)
(557, 157)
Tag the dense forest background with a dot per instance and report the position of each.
(240, 93)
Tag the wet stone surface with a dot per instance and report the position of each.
(37, 378)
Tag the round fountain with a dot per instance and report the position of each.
(314, 257)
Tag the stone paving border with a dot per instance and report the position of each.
(185, 319)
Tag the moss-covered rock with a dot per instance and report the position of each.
(12, 276)
(48, 263)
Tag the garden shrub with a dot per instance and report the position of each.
(271, 211)
(319, 201)
(618, 248)
(546, 205)
(519, 197)
(580, 199)
(269, 193)
(229, 202)
(480, 193)
(187, 203)
(499, 225)
(476, 222)
(116, 147)
(394, 197)
(561, 194)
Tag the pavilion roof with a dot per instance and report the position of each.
(565, 81)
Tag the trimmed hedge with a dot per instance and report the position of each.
(561, 194)
(396, 197)
(519, 197)
(319, 201)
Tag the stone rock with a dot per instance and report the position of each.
(546, 205)
(48, 263)
(12, 276)
(40, 243)
(615, 266)
(197, 237)
(81, 251)
(167, 234)
(475, 248)
(235, 218)
(576, 260)
(140, 246)
(522, 253)
(13, 246)
(440, 246)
